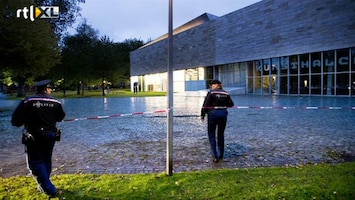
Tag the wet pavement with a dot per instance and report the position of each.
(262, 131)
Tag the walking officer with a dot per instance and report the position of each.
(215, 106)
(39, 114)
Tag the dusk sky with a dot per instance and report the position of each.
(148, 19)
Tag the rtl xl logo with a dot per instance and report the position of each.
(43, 12)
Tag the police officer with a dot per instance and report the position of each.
(39, 115)
(215, 106)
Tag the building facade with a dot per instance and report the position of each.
(296, 47)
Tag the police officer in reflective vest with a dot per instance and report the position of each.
(215, 106)
(39, 114)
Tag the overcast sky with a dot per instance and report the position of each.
(148, 19)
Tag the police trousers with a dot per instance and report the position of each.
(39, 159)
(217, 119)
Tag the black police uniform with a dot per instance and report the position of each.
(215, 106)
(39, 114)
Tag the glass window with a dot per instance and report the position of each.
(266, 84)
(293, 85)
(342, 86)
(353, 84)
(293, 65)
(304, 64)
(242, 75)
(328, 84)
(328, 61)
(283, 85)
(304, 84)
(250, 69)
(275, 65)
(250, 85)
(209, 73)
(191, 74)
(353, 59)
(257, 87)
(284, 65)
(266, 66)
(258, 67)
(316, 63)
(275, 84)
(343, 60)
(258, 70)
(316, 84)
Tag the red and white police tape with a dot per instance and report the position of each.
(113, 116)
(219, 107)
(297, 107)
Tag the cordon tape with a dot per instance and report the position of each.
(219, 107)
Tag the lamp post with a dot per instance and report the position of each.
(103, 87)
(63, 83)
(169, 146)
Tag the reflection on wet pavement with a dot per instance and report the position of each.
(137, 143)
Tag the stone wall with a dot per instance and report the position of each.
(194, 47)
(274, 28)
(270, 28)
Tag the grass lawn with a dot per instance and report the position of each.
(322, 181)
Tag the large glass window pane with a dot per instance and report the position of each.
(353, 84)
(257, 87)
(328, 84)
(293, 85)
(209, 73)
(266, 67)
(258, 70)
(250, 85)
(316, 63)
(266, 76)
(283, 85)
(242, 76)
(250, 69)
(275, 65)
(284, 65)
(293, 64)
(343, 60)
(328, 61)
(353, 59)
(258, 67)
(316, 84)
(304, 64)
(266, 84)
(304, 84)
(227, 74)
(342, 86)
(274, 76)
(191, 74)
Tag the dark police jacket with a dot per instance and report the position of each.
(40, 111)
(216, 99)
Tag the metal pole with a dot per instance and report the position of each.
(169, 144)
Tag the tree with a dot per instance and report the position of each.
(77, 56)
(124, 50)
(28, 49)
(88, 59)
(112, 59)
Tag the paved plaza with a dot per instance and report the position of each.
(262, 131)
